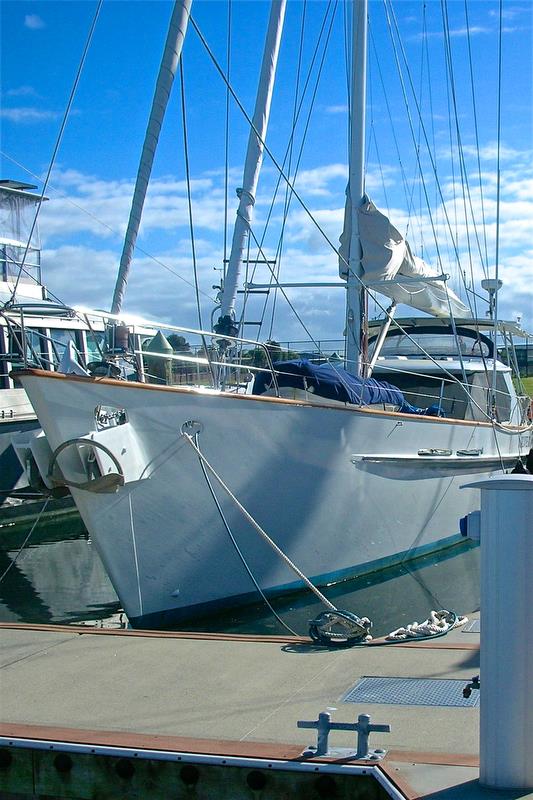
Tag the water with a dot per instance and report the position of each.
(58, 578)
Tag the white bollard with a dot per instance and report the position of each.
(506, 669)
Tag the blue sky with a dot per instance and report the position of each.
(93, 176)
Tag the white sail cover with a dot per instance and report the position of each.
(387, 258)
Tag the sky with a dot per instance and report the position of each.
(429, 134)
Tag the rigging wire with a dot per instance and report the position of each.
(419, 135)
(466, 191)
(57, 144)
(289, 192)
(449, 116)
(291, 147)
(464, 174)
(408, 189)
(372, 137)
(430, 96)
(281, 175)
(189, 199)
(418, 176)
(476, 131)
(465, 183)
(369, 118)
(391, 18)
(498, 188)
(317, 225)
(226, 146)
(418, 158)
(347, 61)
(390, 118)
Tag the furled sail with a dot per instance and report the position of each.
(387, 259)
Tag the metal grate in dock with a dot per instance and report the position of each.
(411, 692)
(471, 627)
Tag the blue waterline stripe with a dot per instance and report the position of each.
(172, 615)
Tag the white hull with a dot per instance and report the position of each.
(16, 415)
(311, 476)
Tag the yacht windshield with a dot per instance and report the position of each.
(438, 345)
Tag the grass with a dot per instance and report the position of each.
(528, 386)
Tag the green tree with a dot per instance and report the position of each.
(179, 343)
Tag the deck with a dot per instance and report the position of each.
(131, 706)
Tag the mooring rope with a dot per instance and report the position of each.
(256, 525)
(239, 551)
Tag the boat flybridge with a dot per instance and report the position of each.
(36, 330)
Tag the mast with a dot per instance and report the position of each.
(354, 293)
(252, 166)
(165, 79)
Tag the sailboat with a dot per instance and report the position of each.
(276, 474)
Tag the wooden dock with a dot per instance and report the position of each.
(96, 713)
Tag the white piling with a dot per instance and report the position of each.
(506, 670)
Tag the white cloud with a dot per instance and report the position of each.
(34, 22)
(342, 109)
(522, 189)
(474, 30)
(378, 176)
(101, 208)
(21, 91)
(313, 182)
(27, 115)
(489, 152)
(302, 230)
(508, 13)
(83, 229)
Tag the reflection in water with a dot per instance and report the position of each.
(59, 578)
(390, 598)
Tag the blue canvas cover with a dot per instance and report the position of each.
(335, 383)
